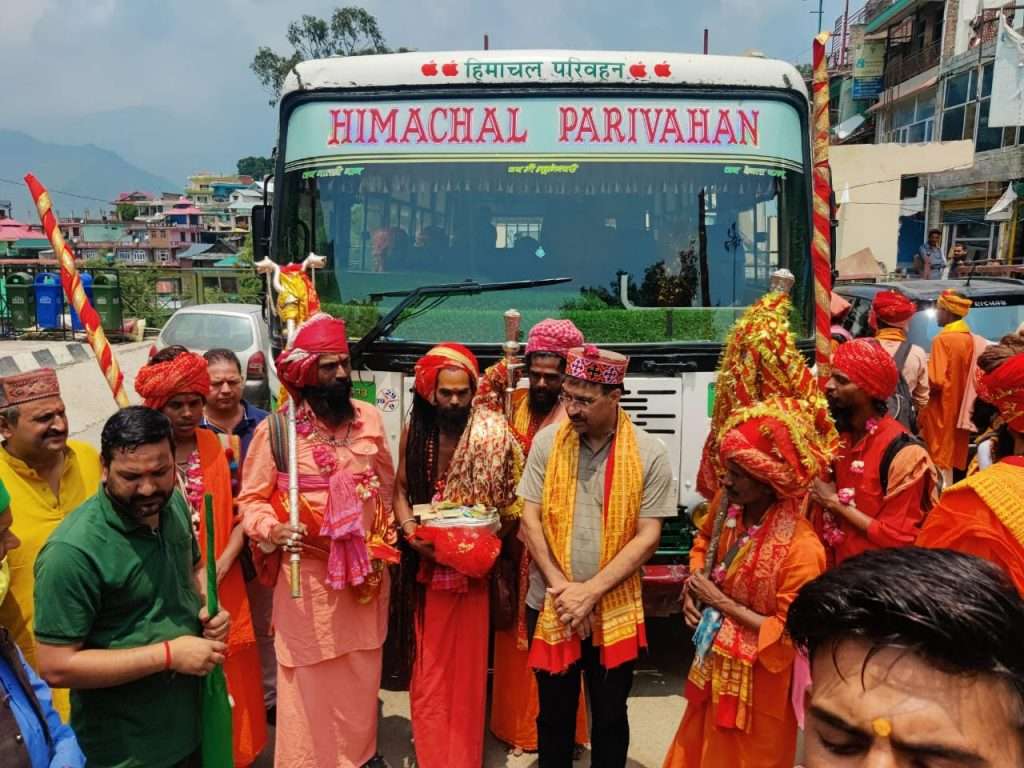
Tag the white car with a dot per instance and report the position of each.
(238, 327)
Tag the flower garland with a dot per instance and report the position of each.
(733, 515)
(195, 490)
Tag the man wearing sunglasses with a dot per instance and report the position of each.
(595, 491)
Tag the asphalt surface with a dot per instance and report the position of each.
(656, 703)
(655, 709)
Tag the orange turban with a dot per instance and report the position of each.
(1004, 388)
(893, 308)
(866, 363)
(157, 383)
(321, 334)
(447, 355)
(777, 443)
(955, 303)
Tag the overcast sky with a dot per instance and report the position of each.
(61, 59)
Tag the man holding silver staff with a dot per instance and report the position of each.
(329, 643)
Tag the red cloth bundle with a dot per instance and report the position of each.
(470, 551)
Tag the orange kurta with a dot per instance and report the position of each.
(329, 644)
(972, 518)
(771, 739)
(242, 663)
(949, 366)
(514, 700)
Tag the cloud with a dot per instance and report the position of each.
(188, 60)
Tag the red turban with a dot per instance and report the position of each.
(157, 383)
(553, 337)
(893, 308)
(1004, 388)
(297, 366)
(775, 442)
(447, 355)
(868, 365)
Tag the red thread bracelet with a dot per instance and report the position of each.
(167, 655)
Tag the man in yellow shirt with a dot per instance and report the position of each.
(47, 476)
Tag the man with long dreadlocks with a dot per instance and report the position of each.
(466, 455)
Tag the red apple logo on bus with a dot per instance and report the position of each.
(451, 69)
(663, 69)
(429, 69)
(638, 70)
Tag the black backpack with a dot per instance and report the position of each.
(901, 404)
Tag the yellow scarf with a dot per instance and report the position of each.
(957, 326)
(619, 626)
(891, 334)
(1001, 487)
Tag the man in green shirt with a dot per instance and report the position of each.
(119, 611)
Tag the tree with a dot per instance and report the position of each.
(351, 31)
(257, 167)
(127, 211)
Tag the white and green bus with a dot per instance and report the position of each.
(645, 196)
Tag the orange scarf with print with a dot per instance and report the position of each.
(750, 580)
(619, 625)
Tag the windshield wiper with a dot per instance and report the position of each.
(440, 293)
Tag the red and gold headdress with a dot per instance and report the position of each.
(598, 366)
(776, 442)
(1004, 388)
(760, 361)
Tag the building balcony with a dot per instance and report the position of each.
(902, 67)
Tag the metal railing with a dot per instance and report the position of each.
(903, 67)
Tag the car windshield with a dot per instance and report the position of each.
(203, 331)
(990, 322)
(659, 246)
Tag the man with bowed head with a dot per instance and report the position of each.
(916, 662)
(883, 481)
(120, 614)
(329, 644)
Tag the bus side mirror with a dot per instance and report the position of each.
(261, 231)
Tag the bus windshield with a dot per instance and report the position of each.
(668, 215)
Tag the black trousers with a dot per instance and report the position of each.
(607, 692)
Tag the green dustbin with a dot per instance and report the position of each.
(21, 300)
(106, 298)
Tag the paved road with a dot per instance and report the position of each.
(86, 395)
(655, 707)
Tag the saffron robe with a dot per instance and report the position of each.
(770, 741)
(983, 516)
(242, 661)
(949, 368)
(329, 644)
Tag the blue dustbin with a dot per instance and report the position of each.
(49, 301)
(76, 324)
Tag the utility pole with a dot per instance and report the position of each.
(820, 13)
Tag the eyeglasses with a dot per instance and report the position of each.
(580, 402)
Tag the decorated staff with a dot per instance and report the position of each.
(511, 349)
(296, 301)
(75, 293)
(821, 244)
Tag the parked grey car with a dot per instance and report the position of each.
(238, 327)
(998, 305)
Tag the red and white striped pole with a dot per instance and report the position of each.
(821, 243)
(75, 293)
